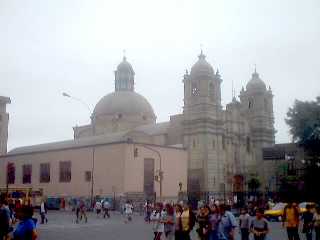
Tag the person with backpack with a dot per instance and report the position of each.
(227, 224)
(5, 219)
(290, 220)
(259, 226)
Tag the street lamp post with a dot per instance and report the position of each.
(93, 147)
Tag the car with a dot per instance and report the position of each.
(303, 207)
(276, 212)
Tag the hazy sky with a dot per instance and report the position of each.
(47, 47)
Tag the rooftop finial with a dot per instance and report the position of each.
(124, 55)
(201, 56)
(255, 68)
(232, 90)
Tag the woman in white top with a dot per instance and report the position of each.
(157, 217)
(128, 210)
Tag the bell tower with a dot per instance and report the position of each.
(203, 128)
(124, 76)
(4, 122)
(202, 87)
(257, 107)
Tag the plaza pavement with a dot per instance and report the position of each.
(62, 226)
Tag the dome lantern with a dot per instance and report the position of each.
(255, 83)
(124, 76)
(202, 68)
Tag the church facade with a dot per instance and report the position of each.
(222, 147)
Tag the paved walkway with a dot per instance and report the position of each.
(62, 226)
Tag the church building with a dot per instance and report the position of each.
(207, 149)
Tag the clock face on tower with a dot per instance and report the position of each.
(195, 91)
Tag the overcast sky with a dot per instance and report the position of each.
(47, 47)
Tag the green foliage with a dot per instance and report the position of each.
(304, 122)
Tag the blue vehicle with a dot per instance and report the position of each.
(53, 203)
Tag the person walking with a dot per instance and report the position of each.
(244, 224)
(203, 222)
(128, 210)
(26, 228)
(188, 220)
(177, 222)
(259, 226)
(290, 220)
(148, 211)
(98, 207)
(5, 219)
(106, 209)
(157, 217)
(307, 218)
(316, 222)
(214, 219)
(227, 224)
(83, 211)
(169, 222)
(43, 212)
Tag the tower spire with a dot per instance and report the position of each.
(232, 90)
(124, 55)
(201, 56)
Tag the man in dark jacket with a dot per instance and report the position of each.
(4, 218)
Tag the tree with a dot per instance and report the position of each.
(304, 122)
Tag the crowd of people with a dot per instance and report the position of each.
(212, 221)
(217, 222)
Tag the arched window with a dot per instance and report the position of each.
(250, 103)
(11, 173)
(211, 90)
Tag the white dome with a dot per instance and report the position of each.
(124, 103)
(255, 83)
(202, 67)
